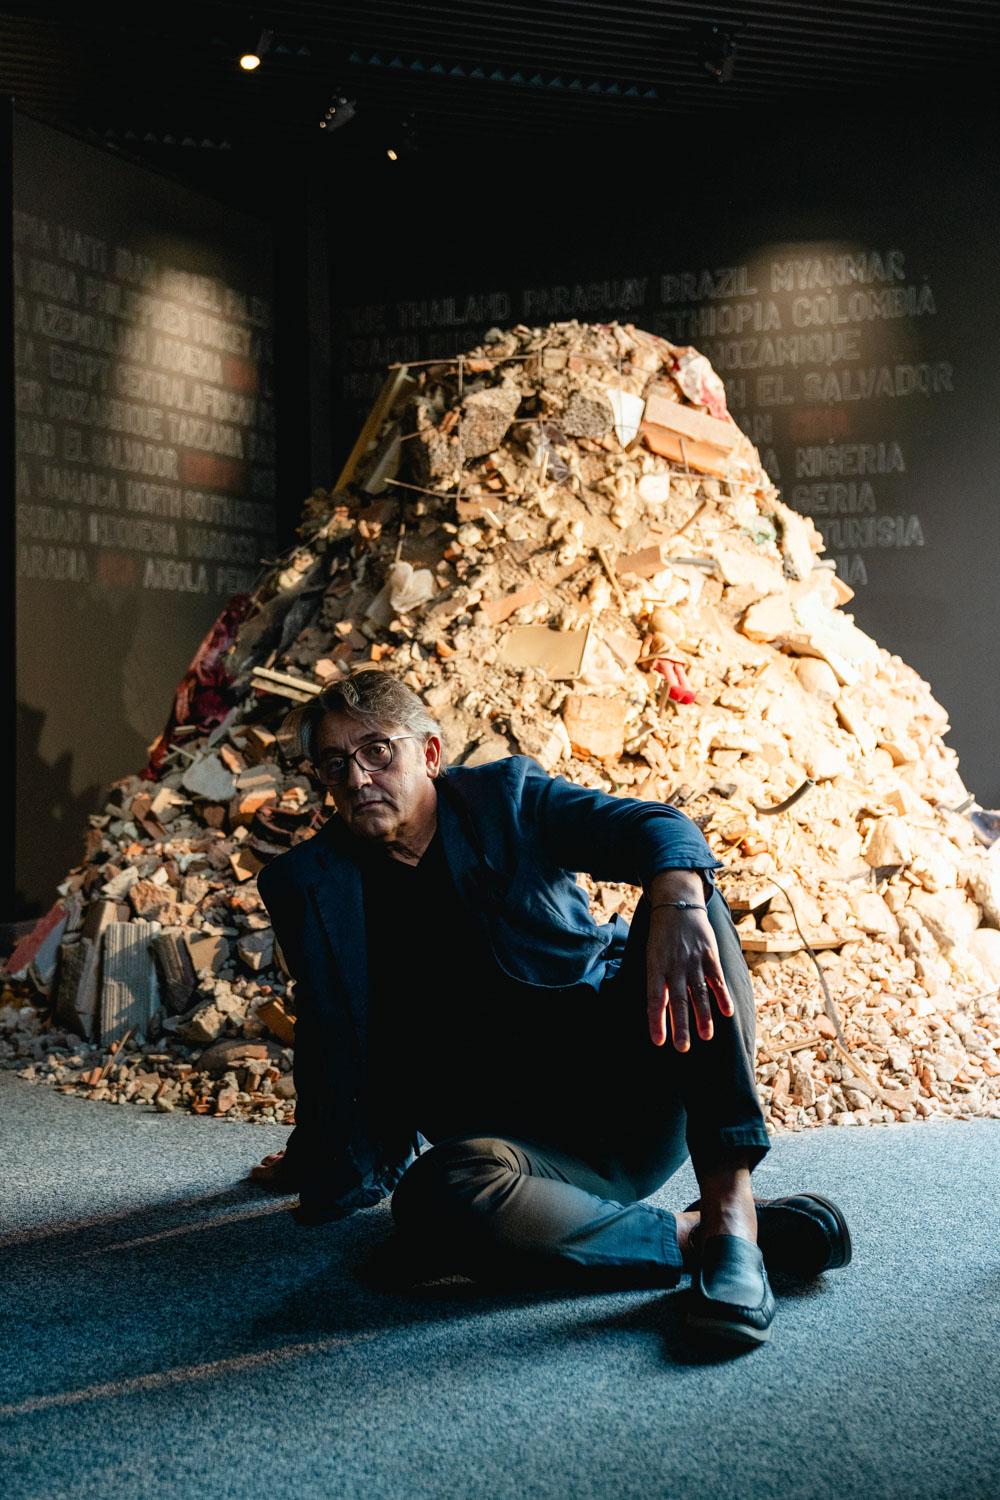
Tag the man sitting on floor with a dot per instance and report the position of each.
(451, 984)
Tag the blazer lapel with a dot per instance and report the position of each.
(462, 859)
(338, 899)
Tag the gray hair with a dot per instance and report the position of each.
(373, 697)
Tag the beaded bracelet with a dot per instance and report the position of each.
(691, 905)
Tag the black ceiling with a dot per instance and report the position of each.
(434, 72)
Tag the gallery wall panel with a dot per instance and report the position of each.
(145, 464)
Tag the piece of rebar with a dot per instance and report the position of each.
(780, 807)
(828, 1005)
(689, 522)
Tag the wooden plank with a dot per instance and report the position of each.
(285, 679)
(742, 899)
(498, 610)
(280, 690)
(394, 384)
(778, 943)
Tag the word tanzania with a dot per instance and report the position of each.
(71, 565)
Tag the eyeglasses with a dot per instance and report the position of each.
(375, 755)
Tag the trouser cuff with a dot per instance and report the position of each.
(671, 1249)
(714, 1147)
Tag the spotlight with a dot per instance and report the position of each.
(339, 111)
(405, 139)
(253, 59)
(717, 52)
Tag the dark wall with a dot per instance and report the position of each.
(839, 270)
(375, 261)
(145, 458)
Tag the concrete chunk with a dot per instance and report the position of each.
(129, 994)
(888, 844)
(595, 725)
(207, 777)
(256, 949)
(76, 995)
(176, 971)
(587, 416)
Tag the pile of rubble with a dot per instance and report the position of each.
(565, 544)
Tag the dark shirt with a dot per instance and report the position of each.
(457, 1046)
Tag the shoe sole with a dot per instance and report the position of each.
(739, 1333)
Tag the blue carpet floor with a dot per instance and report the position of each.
(170, 1333)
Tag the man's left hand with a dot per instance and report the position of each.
(683, 970)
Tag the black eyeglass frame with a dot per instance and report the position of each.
(348, 756)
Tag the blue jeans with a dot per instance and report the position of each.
(553, 1181)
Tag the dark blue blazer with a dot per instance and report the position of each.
(513, 838)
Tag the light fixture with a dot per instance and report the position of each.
(717, 52)
(253, 59)
(405, 139)
(339, 111)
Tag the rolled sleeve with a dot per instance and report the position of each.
(616, 838)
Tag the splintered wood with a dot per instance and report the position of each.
(566, 545)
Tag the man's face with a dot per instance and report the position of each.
(381, 805)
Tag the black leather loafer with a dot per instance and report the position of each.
(731, 1297)
(803, 1235)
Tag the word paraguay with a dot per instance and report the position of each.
(549, 302)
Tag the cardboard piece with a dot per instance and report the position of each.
(644, 563)
(557, 652)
